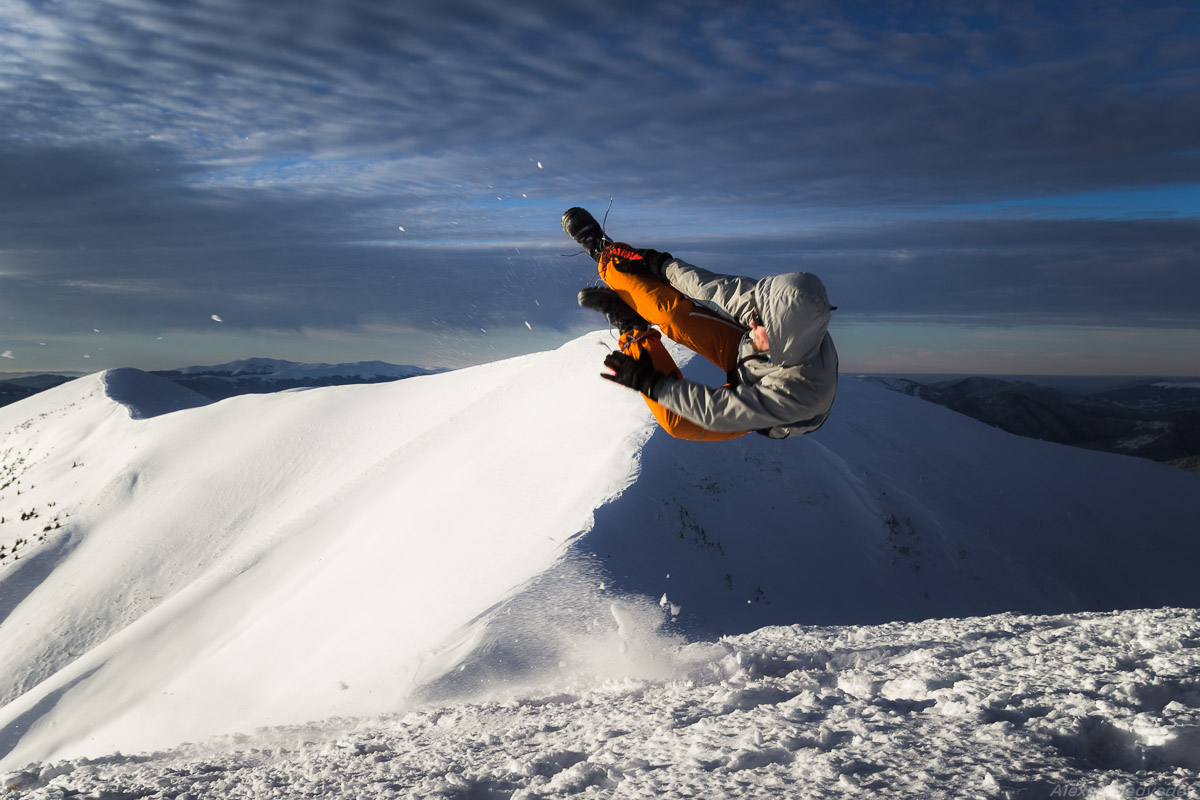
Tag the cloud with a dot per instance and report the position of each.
(405, 164)
(815, 106)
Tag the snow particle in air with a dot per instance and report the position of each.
(217, 318)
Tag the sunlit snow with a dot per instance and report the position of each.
(502, 582)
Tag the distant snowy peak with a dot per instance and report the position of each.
(267, 375)
(248, 366)
(278, 369)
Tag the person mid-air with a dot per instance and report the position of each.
(769, 336)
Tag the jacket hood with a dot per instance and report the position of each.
(795, 312)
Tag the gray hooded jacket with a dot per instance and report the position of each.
(785, 391)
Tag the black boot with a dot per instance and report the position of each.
(583, 228)
(609, 303)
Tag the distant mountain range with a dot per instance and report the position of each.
(14, 389)
(250, 376)
(266, 375)
(1158, 419)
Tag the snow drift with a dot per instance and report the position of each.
(175, 569)
(1008, 706)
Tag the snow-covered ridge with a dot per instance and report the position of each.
(353, 550)
(332, 539)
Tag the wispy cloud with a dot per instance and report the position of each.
(262, 160)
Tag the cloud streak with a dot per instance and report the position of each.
(333, 163)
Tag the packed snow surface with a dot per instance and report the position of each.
(1087, 705)
(173, 570)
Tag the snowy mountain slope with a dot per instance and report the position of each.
(273, 559)
(897, 509)
(1087, 705)
(278, 558)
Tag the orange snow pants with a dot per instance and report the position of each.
(690, 324)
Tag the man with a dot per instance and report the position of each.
(769, 336)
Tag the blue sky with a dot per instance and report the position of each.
(984, 187)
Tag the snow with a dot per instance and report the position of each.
(1100, 705)
(500, 581)
(288, 532)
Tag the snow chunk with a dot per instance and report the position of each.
(756, 759)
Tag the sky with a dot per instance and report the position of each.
(991, 187)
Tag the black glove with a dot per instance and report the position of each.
(636, 373)
(633, 261)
